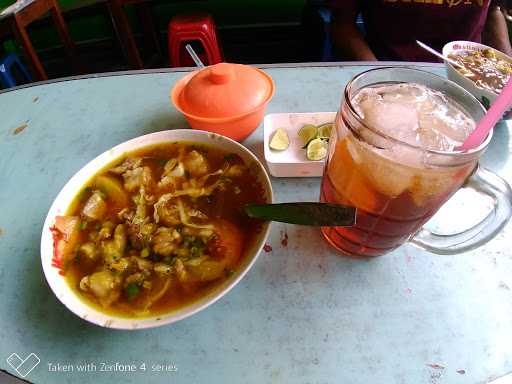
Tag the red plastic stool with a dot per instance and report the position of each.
(193, 28)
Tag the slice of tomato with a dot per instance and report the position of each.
(66, 233)
(228, 245)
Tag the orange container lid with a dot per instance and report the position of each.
(225, 90)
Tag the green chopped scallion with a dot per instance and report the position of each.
(229, 272)
(169, 260)
(132, 290)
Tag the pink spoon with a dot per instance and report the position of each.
(493, 115)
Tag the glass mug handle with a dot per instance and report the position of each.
(486, 183)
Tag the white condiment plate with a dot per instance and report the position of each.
(292, 162)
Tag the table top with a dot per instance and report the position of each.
(302, 314)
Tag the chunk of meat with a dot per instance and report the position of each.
(165, 241)
(95, 207)
(121, 265)
(104, 285)
(134, 179)
(140, 235)
(89, 251)
(195, 163)
(137, 278)
(106, 230)
(170, 182)
(173, 172)
(120, 237)
(114, 249)
(166, 211)
(142, 264)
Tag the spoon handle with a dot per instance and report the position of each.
(441, 56)
(314, 214)
(194, 56)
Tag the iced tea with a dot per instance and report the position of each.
(387, 159)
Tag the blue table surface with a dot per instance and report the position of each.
(303, 314)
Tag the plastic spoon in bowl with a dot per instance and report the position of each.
(314, 214)
(439, 54)
(493, 115)
(194, 56)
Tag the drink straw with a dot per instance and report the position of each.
(493, 115)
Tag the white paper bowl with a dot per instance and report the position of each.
(480, 93)
(70, 299)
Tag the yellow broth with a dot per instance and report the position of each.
(173, 263)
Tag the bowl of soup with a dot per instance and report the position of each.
(152, 230)
(485, 70)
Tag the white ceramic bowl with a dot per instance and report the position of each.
(70, 299)
(480, 93)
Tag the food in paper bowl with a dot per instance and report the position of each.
(151, 231)
(486, 72)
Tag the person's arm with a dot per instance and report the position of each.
(495, 32)
(346, 38)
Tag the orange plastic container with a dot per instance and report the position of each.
(228, 99)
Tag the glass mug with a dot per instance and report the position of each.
(395, 197)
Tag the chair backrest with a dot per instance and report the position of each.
(14, 8)
(7, 77)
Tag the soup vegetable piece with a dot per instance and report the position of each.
(484, 68)
(158, 229)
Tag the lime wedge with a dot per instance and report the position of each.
(307, 133)
(280, 140)
(324, 131)
(317, 149)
